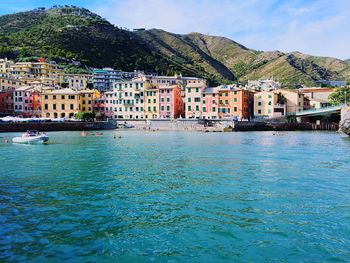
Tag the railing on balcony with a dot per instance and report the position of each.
(322, 110)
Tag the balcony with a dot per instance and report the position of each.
(278, 106)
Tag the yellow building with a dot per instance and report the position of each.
(87, 98)
(63, 103)
(7, 82)
(151, 101)
(47, 73)
(5, 65)
(269, 104)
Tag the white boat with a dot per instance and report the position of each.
(31, 137)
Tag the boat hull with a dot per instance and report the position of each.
(28, 140)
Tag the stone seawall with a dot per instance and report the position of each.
(55, 126)
(262, 126)
(219, 125)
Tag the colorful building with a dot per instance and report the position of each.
(294, 100)
(63, 103)
(235, 102)
(224, 96)
(110, 104)
(78, 81)
(6, 65)
(317, 93)
(151, 101)
(87, 98)
(210, 103)
(171, 104)
(45, 73)
(269, 104)
(129, 99)
(6, 101)
(27, 101)
(193, 100)
(7, 82)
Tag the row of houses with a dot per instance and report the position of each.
(152, 97)
(47, 101)
(14, 75)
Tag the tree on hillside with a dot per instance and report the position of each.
(342, 95)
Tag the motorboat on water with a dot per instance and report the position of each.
(31, 136)
(128, 126)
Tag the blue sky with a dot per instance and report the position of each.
(317, 27)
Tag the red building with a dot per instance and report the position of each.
(6, 101)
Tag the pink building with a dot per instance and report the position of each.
(110, 104)
(170, 102)
(26, 101)
(210, 106)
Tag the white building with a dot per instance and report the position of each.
(128, 99)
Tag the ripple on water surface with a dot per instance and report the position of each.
(177, 196)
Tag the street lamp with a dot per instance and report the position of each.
(346, 103)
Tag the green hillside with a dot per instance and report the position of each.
(70, 34)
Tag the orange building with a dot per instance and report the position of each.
(235, 102)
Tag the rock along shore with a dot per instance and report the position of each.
(344, 125)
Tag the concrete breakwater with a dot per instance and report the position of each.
(224, 125)
(55, 126)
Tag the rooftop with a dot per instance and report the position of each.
(210, 90)
(195, 85)
(64, 91)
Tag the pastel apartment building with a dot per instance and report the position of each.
(317, 93)
(78, 81)
(129, 99)
(151, 101)
(87, 99)
(193, 100)
(210, 100)
(224, 96)
(7, 82)
(27, 101)
(294, 100)
(62, 103)
(269, 104)
(5, 65)
(45, 73)
(110, 102)
(171, 104)
(235, 102)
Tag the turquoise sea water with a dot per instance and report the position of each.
(176, 197)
